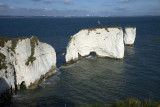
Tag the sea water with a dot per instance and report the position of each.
(91, 80)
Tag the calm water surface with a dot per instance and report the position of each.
(91, 80)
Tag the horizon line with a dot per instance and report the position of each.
(1, 16)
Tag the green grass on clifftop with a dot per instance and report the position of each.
(103, 27)
(132, 102)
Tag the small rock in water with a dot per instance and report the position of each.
(62, 54)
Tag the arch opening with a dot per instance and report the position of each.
(93, 54)
(23, 86)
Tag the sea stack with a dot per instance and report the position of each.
(24, 61)
(130, 35)
(104, 41)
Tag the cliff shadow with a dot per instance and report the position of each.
(129, 52)
(5, 92)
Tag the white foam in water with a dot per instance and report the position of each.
(16, 96)
(89, 57)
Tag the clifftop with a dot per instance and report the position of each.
(3, 40)
(103, 27)
(14, 41)
(130, 27)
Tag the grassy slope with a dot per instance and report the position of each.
(128, 103)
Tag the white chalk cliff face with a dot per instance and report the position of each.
(24, 60)
(130, 35)
(105, 42)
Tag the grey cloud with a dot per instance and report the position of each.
(155, 9)
(126, 1)
(36, 0)
(84, 7)
(18, 2)
(47, 1)
(3, 6)
(44, 1)
(54, 12)
(55, 1)
(6, 10)
(68, 1)
(106, 5)
(120, 9)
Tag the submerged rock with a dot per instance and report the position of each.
(104, 41)
(63, 54)
(24, 61)
(130, 35)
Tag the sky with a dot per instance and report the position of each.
(80, 7)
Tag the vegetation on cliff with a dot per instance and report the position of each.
(132, 102)
(33, 43)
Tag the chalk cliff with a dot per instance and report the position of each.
(130, 35)
(104, 41)
(24, 61)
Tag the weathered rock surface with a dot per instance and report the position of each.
(24, 61)
(130, 35)
(104, 41)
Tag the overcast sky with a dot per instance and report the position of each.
(80, 7)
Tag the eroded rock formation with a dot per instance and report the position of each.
(104, 41)
(130, 35)
(24, 61)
